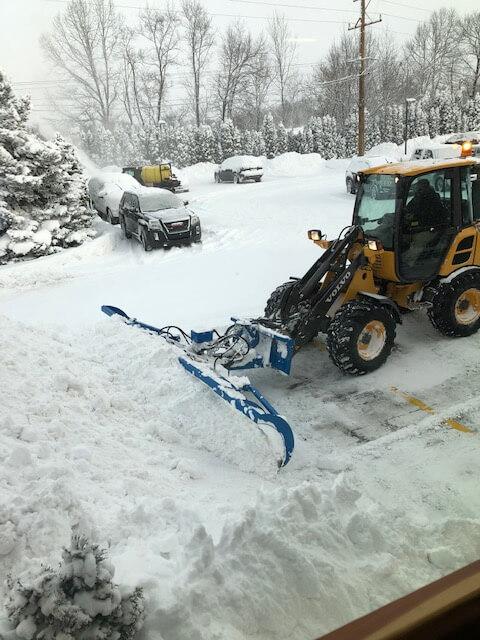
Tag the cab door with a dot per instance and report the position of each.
(426, 225)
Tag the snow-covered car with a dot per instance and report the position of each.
(106, 191)
(239, 169)
(361, 163)
(437, 152)
(465, 136)
(158, 218)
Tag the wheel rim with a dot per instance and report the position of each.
(371, 340)
(467, 307)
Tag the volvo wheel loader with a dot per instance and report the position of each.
(414, 242)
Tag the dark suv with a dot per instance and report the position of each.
(158, 218)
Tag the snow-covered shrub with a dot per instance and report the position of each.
(41, 183)
(78, 601)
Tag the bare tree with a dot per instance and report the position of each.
(84, 46)
(132, 79)
(161, 30)
(334, 84)
(283, 53)
(257, 86)
(199, 36)
(239, 54)
(432, 54)
(470, 39)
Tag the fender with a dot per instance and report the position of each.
(459, 272)
(384, 301)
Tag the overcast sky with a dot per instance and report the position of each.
(316, 23)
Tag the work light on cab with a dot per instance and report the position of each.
(467, 149)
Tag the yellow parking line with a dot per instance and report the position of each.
(424, 407)
(319, 344)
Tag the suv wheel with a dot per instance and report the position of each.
(123, 225)
(144, 240)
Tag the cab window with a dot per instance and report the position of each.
(376, 207)
(475, 187)
(426, 225)
(466, 197)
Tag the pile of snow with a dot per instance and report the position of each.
(294, 164)
(119, 450)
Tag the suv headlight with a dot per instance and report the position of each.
(194, 220)
(154, 225)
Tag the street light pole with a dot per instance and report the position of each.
(407, 102)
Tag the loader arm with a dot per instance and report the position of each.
(303, 307)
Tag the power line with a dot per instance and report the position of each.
(224, 15)
(407, 6)
(292, 6)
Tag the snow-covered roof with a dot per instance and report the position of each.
(360, 163)
(121, 180)
(242, 162)
(458, 138)
(155, 199)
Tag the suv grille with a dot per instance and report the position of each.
(178, 226)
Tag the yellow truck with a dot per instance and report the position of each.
(157, 175)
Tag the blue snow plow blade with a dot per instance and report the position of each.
(235, 397)
(245, 345)
(266, 347)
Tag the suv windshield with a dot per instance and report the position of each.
(376, 207)
(156, 202)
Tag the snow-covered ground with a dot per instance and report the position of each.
(102, 432)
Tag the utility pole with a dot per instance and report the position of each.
(361, 24)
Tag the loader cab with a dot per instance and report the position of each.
(415, 211)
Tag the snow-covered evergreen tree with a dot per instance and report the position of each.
(269, 132)
(351, 134)
(307, 140)
(434, 121)
(228, 140)
(258, 143)
(329, 138)
(39, 183)
(294, 141)
(79, 601)
(282, 139)
(421, 120)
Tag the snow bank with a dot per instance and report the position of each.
(294, 164)
(103, 434)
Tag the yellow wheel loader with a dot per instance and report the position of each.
(414, 242)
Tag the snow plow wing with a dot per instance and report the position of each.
(245, 345)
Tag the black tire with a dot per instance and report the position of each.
(273, 302)
(144, 240)
(349, 185)
(123, 225)
(349, 336)
(258, 179)
(456, 306)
